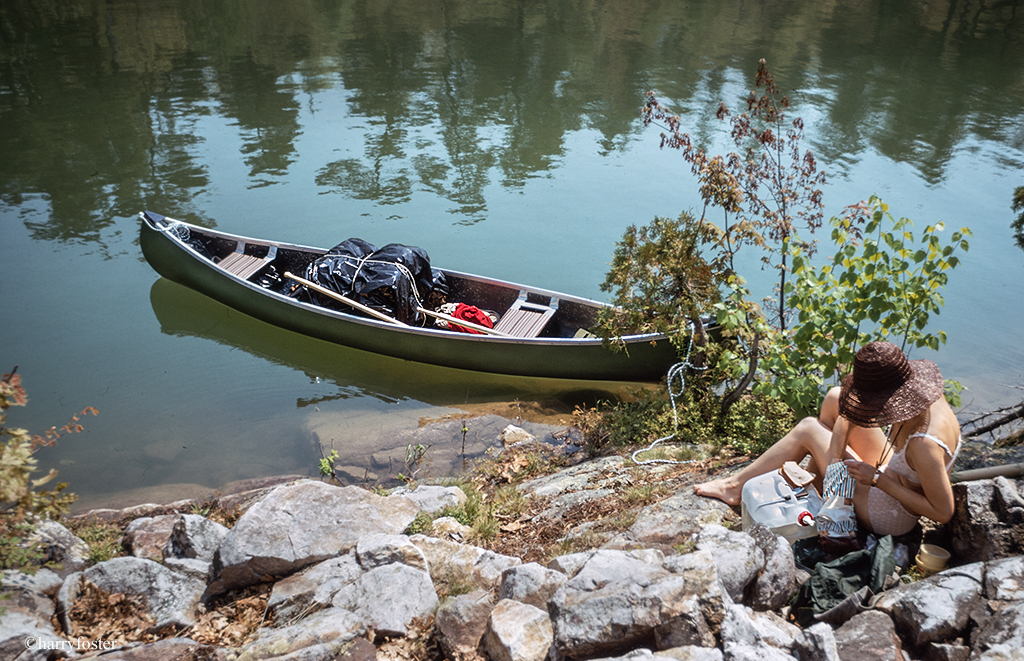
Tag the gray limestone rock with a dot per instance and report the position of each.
(616, 600)
(299, 525)
(988, 522)
(686, 653)
(146, 537)
(449, 528)
(571, 563)
(433, 498)
(946, 652)
(869, 636)
(677, 518)
(531, 584)
(937, 608)
(777, 580)
(736, 556)
(194, 537)
(326, 632)
(517, 632)
(1002, 635)
(377, 550)
(1004, 579)
(745, 628)
(461, 621)
(61, 546)
(390, 598)
(450, 563)
(313, 587)
(689, 653)
(587, 475)
(701, 576)
(26, 637)
(170, 597)
(816, 643)
(191, 567)
(170, 648)
(31, 594)
(512, 436)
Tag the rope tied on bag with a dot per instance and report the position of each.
(401, 268)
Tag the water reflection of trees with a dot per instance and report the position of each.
(102, 105)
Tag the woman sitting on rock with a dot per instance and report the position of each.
(902, 473)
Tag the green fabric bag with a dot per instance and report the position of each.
(838, 589)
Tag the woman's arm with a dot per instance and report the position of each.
(929, 461)
(837, 443)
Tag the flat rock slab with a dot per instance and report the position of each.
(593, 474)
(299, 525)
(677, 518)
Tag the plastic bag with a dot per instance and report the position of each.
(395, 280)
(837, 521)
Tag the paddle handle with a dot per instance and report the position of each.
(461, 322)
(344, 299)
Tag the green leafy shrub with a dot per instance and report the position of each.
(753, 424)
(882, 284)
(661, 282)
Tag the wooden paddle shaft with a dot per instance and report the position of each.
(461, 322)
(344, 299)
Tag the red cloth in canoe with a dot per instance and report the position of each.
(473, 314)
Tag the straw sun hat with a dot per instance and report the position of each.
(886, 388)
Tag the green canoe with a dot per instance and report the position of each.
(540, 337)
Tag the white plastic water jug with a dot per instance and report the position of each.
(786, 510)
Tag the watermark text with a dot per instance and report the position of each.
(79, 644)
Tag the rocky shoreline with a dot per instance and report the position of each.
(315, 571)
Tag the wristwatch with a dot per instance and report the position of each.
(878, 474)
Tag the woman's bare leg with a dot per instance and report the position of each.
(809, 437)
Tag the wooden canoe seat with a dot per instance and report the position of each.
(524, 319)
(245, 266)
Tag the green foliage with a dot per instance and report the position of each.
(752, 425)
(421, 524)
(660, 280)
(648, 416)
(103, 538)
(327, 463)
(884, 284)
(1018, 224)
(765, 189)
(22, 499)
(475, 512)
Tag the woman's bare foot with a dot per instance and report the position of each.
(724, 488)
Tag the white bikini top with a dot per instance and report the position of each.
(898, 464)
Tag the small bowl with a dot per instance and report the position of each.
(931, 558)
